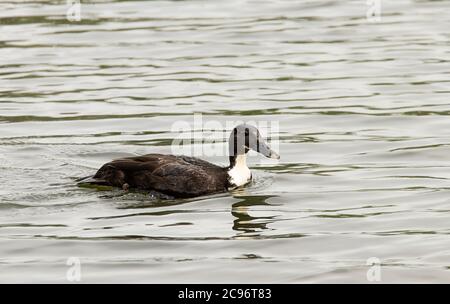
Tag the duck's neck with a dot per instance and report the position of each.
(238, 172)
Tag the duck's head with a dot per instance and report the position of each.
(246, 137)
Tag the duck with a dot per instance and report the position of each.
(179, 176)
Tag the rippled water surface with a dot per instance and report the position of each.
(363, 109)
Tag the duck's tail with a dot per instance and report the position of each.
(91, 180)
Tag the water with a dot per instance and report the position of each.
(363, 110)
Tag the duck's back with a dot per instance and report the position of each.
(179, 176)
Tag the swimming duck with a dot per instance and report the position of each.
(184, 176)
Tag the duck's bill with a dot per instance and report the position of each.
(265, 150)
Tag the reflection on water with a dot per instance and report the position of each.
(363, 110)
(244, 222)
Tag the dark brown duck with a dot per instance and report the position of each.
(183, 176)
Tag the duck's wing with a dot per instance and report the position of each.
(175, 175)
(118, 172)
(198, 162)
(187, 180)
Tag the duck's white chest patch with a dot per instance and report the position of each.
(240, 174)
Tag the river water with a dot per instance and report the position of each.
(364, 137)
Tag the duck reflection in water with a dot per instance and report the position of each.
(247, 223)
